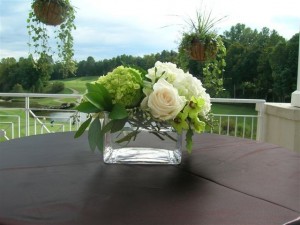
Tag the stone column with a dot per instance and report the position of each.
(296, 94)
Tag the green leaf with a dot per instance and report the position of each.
(83, 127)
(96, 99)
(118, 125)
(128, 137)
(189, 141)
(114, 126)
(102, 93)
(87, 107)
(107, 127)
(94, 87)
(118, 112)
(95, 135)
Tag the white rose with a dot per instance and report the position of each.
(164, 102)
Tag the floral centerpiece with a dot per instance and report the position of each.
(165, 98)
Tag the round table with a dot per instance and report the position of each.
(56, 179)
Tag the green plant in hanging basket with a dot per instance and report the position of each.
(200, 49)
(51, 12)
(201, 40)
(55, 16)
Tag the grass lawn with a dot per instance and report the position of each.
(234, 108)
(11, 116)
(77, 84)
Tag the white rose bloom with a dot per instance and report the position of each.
(164, 102)
(186, 84)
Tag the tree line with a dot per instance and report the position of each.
(259, 64)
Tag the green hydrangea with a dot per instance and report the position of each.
(124, 85)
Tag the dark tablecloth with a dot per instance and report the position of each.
(55, 179)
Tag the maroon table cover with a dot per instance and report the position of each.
(55, 179)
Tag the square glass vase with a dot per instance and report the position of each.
(148, 147)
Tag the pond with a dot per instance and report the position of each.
(64, 117)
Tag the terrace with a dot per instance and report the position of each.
(243, 170)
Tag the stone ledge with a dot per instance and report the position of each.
(283, 110)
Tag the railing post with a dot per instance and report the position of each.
(27, 122)
(260, 107)
(19, 126)
(12, 131)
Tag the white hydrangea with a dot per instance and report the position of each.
(168, 71)
(191, 86)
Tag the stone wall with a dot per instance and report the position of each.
(282, 125)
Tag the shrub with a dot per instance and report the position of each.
(56, 87)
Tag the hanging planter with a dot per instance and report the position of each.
(203, 50)
(197, 51)
(61, 15)
(201, 40)
(50, 12)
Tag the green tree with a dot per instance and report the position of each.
(267, 41)
(240, 34)
(249, 73)
(241, 59)
(35, 79)
(283, 61)
(7, 73)
(233, 73)
(17, 88)
(90, 67)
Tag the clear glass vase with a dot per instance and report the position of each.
(147, 147)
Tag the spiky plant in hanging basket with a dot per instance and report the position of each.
(201, 39)
(201, 43)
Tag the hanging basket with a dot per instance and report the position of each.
(51, 12)
(199, 51)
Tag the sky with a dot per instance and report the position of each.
(109, 28)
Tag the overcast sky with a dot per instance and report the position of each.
(108, 28)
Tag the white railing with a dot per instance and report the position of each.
(11, 124)
(32, 120)
(232, 120)
(29, 122)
